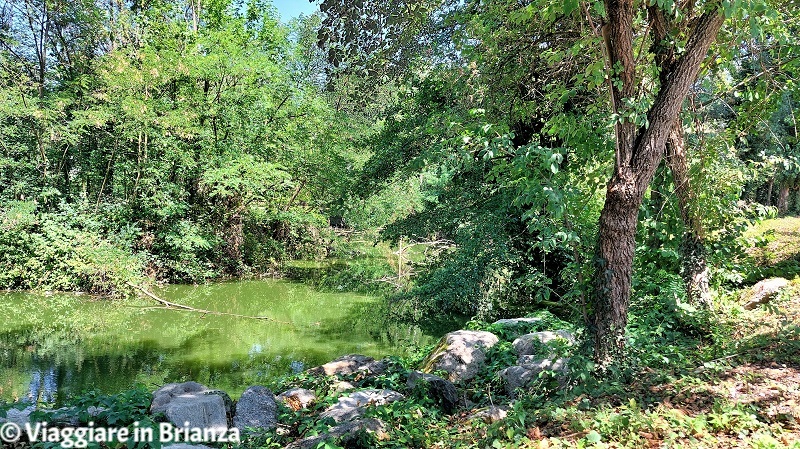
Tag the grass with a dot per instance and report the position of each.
(775, 247)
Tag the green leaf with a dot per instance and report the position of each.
(593, 437)
(570, 6)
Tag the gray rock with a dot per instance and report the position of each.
(344, 431)
(225, 399)
(520, 376)
(765, 291)
(461, 354)
(297, 398)
(530, 343)
(341, 387)
(198, 410)
(352, 406)
(441, 390)
(20, 417)
(256, 409)
(164, 395)
(193, 402)
(350, 364)
(491, 414)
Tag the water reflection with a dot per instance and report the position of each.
(62, 345)
(44, 386)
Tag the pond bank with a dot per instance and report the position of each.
(345, 399)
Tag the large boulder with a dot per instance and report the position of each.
(164, 395)
(193, 403)
(521, 376)
(297, 398)
(461, 354)
(764, 292)
(352, 406)
(256, 409)
(350, 364)
(441, 390)
(198, 411)
(532, 343)
(344, 432)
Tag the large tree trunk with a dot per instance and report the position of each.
(639, 151)
(614, 264)
(693, 249)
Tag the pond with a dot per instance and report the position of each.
(55, 346)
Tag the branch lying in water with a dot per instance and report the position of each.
(172, 305)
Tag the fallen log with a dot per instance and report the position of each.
(176, 306)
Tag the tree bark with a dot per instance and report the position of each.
(783, 199)
(693, 250)
(638, 153)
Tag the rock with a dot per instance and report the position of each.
(350, 364)
(341, 387)
(765, 291)
(256, 409)
(520, 376)
(193, 402)
(441, 390)
(297, 398)
(491, 414)
(20, 417)
(461, 354)
(226, 399)
(531, 343)
(352, 406)
(164, 395)
(345, 431)
(198, 410)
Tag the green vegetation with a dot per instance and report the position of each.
(731, 385)
(615, 167)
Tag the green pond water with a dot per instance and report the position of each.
(55, 346)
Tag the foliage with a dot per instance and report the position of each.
(192, 128)
(74, 248)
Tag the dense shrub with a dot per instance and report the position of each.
(66, 250)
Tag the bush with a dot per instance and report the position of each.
(64, 250)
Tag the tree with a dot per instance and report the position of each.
(654, 52)
(640, 140)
